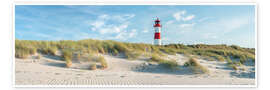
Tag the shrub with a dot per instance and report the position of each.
(103, 62)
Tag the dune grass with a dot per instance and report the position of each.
(67, 56)
(196, 67)
(38, 56)
(24, 48)
(93, 66)
(102, 61)
(132, 55)
(171, 64)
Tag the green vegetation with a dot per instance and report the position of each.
(24, 48)
(93, 66)
(131, 55)
(195, 66)
(172, 64)
(233, 66)
(67, 55)
(102, 61)
(39, 56)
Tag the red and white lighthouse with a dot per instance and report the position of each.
(157, 28)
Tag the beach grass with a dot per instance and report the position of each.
(131, 51)
(171, 64)
(195, 66)
(93, 66)
(102, 61)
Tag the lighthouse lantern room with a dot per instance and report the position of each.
(157, 28)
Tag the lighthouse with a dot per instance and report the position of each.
(157, 29)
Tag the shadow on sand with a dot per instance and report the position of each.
(161, 69)
(244, 74)
(56, 64)
(58, 58)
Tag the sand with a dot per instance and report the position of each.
(49, 70)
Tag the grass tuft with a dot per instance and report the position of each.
(171, 64)
(93, 66)
(195, 66)
(67, 56)
(102, 61)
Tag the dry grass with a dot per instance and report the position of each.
(172, 64)
(24, 48)
(93, 66)
(38, 56)
(67, 56)
(131, 55)
(233, 66)
(196, 67)
(102, 61)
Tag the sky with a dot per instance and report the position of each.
(185, 24)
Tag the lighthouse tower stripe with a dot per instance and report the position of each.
(157, 29)
(157, 35)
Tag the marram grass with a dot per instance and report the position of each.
(25, 48)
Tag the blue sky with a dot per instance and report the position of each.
(186, 24)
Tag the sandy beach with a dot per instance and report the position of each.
(50, 70)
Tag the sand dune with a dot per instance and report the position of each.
(51, 70)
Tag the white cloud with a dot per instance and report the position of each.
(97, 24)
(112, 28)
(190, 17)
(122, 18)
(117, 27)
(187, 25)
(124, 35)
(181, 15)
(178, 15)
(104, 16)
(169, 22)
(203, 19)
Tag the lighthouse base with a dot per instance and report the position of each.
(157, 42)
